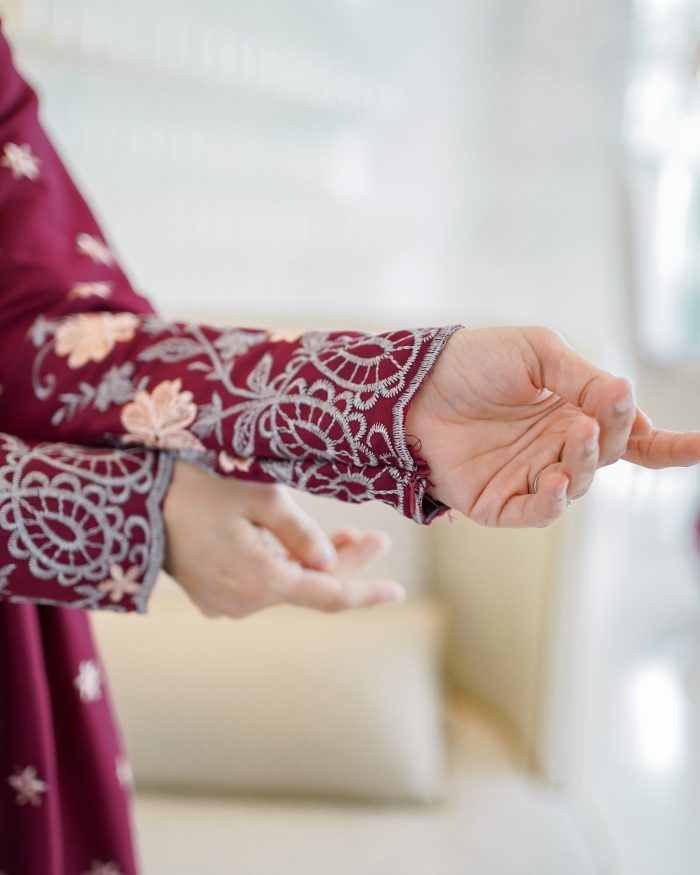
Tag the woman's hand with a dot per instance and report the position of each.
(512, 422)
(238, 547)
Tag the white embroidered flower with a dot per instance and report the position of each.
(236, 342)
(286, 335)
(120, 582)
(115, 387)
(95, 249)
(90, 337)
(28, 786)
(99, 868)
(230, 463)
(88, 681)
(90, 290)
(21, 161)
(122, 769)
(160, 418)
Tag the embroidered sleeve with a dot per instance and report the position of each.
(80, 527)
(322, 411)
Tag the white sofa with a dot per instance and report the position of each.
(423, 738)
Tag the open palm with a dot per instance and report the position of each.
(512, 422)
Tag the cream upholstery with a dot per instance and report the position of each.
(497, 584)
(333, 707)
(497, 820)
(288, 702)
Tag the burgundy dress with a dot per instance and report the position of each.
(97, 396)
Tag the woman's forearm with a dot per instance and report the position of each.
(323, 411)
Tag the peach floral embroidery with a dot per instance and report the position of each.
(285, 335)
(95, 249)
(120, 582)
(160, 418)
(230, 463)
(90, 337)
(21, 161)
(90, 290)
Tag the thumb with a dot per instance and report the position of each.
(298, 532)
(559, 368)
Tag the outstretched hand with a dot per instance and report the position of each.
(236, 547)
(513, 422)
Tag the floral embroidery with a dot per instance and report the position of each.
(233, 342)
(229, 463)
(41, 330)
(92, 336)
(160, 418)
(95, 249)
(88, 681)
(90, 290)
(99, 868)
(116, 386)
(28, 787)
(21, 161)
(120, 583)
(5, 573)
(67, 514)
(300, 413)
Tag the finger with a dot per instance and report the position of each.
(356, 553)
(541, 509)
(579, 458)
(598, 393)
(344, 536)
(665, 449)
(324, 592)
(298, 532)
(616, 414)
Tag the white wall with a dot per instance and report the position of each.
(395, 162)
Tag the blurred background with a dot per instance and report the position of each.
(535, 707)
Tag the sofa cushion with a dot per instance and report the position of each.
(496, 820)
(288, 701)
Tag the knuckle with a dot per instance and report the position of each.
(543, 334)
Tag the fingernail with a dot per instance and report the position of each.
(591, 444)
(560, 491)
(392, 592)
